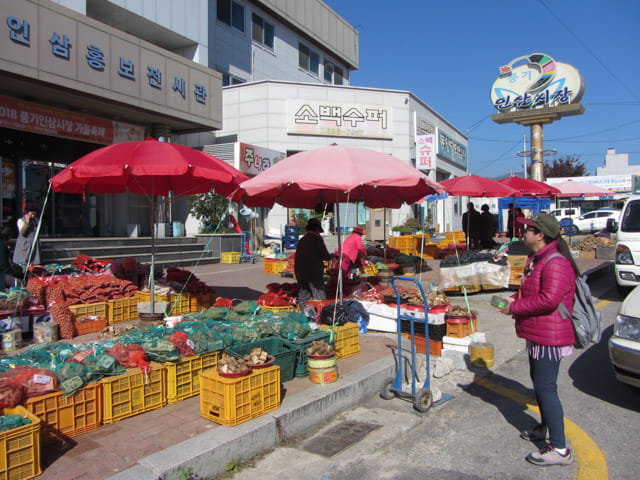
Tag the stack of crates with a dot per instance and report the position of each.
(230, 257)
(183, 377)
(346, 339)
(20, 447)
(290, 241)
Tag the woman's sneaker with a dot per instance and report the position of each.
(539, 432)
(550, 456)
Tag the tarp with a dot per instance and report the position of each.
(534, 204)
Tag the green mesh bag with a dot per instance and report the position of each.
(11, 421)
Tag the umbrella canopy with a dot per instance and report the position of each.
(474, 186)
(337, 174)
(572, 188)
(529, 187)
(148, 167)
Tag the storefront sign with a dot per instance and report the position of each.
(426, 150)
(254, 160)
(452, 150)
(423, 126)
(613, 183)
(35, 118)
(40, 41)
(338, 120)
(636, 185)
(539, 82)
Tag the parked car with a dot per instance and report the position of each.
(624, 345)
(627, 256)
(560, 213)
(594, 221)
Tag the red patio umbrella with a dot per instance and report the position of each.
(529, 187)
(337, 174)
(572, 188)
(151, 168)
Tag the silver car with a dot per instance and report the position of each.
(624, 345)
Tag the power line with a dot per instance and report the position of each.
(591, 52)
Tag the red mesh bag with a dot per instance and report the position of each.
(11, 394)
(223, 302)
(129, 356)
(34, 381)
(182, 343)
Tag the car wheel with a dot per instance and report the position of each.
(573, 230)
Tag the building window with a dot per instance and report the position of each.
(231, 13)
(332, 74)
(262, 31)
(308, 59)
(228, 79)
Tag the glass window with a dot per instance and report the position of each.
(337, 76)
(308, 59)
(262, 31)
(328, 72)
(237, 16)
(224, 11)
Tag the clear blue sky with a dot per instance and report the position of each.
(448, 53)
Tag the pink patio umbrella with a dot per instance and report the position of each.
(571, 188)
(530, 187)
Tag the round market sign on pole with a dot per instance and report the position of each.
(533, 90)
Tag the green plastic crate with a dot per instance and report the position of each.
(302, 344)
(284, 352)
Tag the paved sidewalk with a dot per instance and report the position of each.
(163, 442)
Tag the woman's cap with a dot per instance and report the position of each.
(547, 224)
(358, 230)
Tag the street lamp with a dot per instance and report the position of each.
(532, 152)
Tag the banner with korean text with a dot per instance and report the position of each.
(426, 151)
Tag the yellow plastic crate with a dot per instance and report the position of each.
(230, 401)
(289, 308)
(20, 447)
(70, 416)
(179, 303)
(146, 297)
(269, 265)
(134, 392)
(230, 257)
(346, 339)
(98, 309)
(279, 265)
(123, 310)
(201, 302)
(183, 377)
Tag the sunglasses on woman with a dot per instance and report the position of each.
(532, 229)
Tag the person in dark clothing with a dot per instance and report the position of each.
(487, 228)
(27, 250)
(309, 267)
(470, 221)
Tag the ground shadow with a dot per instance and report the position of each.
(592, 374)
(515, 413)
(244, 293)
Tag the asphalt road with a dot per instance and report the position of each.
(475, 435)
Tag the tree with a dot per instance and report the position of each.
(567, 166)
(209, 208)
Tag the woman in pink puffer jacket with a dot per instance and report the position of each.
(546, 283)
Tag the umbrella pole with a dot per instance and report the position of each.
(384, 235)
(152, 282)
(340, 279)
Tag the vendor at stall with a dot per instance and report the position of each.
(309, 267)
(125, 270)
(352, 250)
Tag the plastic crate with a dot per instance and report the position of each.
(279, 265)
(269, 265)
(134, 392)
(146, 297)
(302, 344)
(288, 308)
(230, 257)
(20, 447)
(183, 377)
(179, 303)
(284, 352)
(230, 401)
(98, 309)
(70, 416)
(123, 310)
(85, 325)
(201, 301)
(346, 339)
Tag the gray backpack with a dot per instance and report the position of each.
(586, 320)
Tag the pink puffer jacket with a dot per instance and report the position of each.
(536, 306)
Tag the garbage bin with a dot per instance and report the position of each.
(178, 229)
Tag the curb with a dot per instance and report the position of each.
(208, 453)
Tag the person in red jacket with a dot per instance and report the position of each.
(546, 283)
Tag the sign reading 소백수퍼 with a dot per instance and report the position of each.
(538, 82)
(426, 150)
(329, 119)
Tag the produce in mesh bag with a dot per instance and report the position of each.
(72, 377)
(237, 317)
(293, 329)
(213, 313)
(11, 421)
(100, 365)
(129, 356)
(64, 318)
(35, 381)
(244, 334)
(257, 356)
(246, 307)
(182, 343)
(265, 328)
(320, 347)
(232, 365)
(162, 351)
(11, 394)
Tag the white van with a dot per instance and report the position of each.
(573, 213)
(627, 257)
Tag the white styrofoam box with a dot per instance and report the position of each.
(382, 324)
(478, 337)
(456, 341)
(457, 348)
(382, 310)
(436, 318)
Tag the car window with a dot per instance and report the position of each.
(631, 219)
(571, 211)
(555, 213)
(589, 215)
(604, 214)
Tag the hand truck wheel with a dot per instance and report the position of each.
(423, 400)
(387, 392)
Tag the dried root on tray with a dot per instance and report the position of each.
(232, 365)
(458, 311)
(320, 347)
(257, 356)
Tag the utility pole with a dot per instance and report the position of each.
(524, 149)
